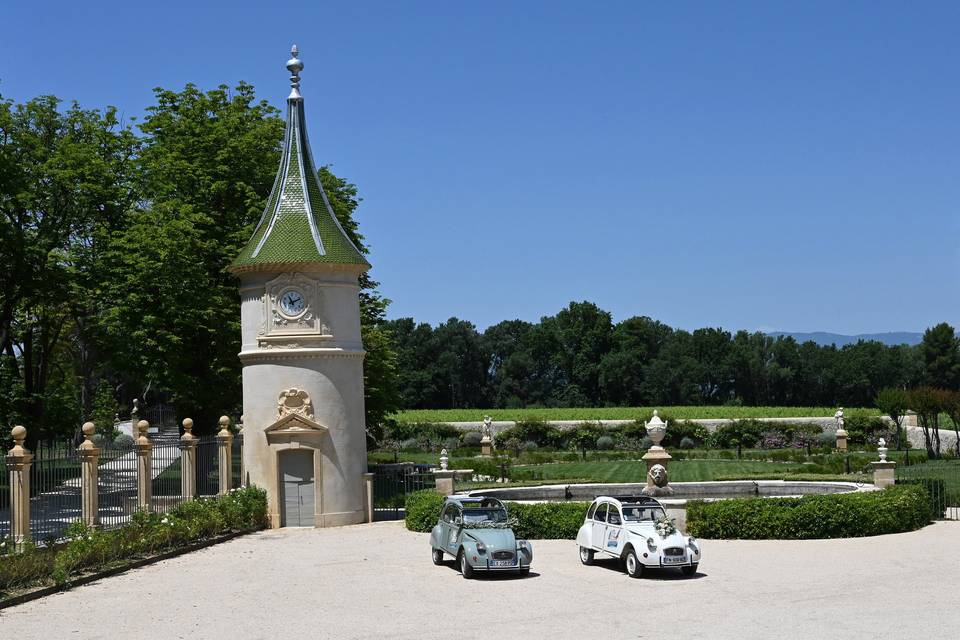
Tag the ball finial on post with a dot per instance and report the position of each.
(224, 426)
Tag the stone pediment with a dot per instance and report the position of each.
(295, 424)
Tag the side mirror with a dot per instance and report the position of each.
(458, 521)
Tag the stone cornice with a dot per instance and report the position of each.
(260, 355)
(281, 267)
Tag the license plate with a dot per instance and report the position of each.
(675, 560)
(502, 563)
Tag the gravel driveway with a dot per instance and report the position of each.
(376, 581)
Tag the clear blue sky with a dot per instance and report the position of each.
(746, 165)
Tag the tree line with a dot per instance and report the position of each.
(580, 357)
(115, 238)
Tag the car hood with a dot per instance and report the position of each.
(493, 538)
(675, 539)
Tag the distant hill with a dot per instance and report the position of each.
(823, 338)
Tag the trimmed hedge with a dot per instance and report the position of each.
(936, 489)
(544, 520)
(847, 515)
(145, 535)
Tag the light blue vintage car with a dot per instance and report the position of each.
(477, 532)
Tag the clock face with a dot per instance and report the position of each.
(292, 303)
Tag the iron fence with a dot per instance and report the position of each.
(208, 466)
(941, 479)
(116, 484)
(4, 499)
(166, 485)
(55, 501)
(392, 483)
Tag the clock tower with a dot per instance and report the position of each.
(304, 432)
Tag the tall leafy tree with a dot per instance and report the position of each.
(64, 183)
(941, 355)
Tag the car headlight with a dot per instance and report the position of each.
(522, 544)
(481, 548)
(692, 543)
(651, 544)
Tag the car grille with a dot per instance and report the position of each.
(673, 551)
(503, 555)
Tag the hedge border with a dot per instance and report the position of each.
(42, 592)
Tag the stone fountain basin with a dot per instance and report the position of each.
(676, 504)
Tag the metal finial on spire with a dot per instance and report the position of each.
(294, 66)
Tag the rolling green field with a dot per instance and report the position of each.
(621, 413)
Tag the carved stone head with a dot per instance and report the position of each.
(658, 475)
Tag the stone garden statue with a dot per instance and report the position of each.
(838, 416)
(487, 429)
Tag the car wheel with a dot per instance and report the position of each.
(437, 556)
(632, 563)
(465, 569)
(689, 571)
(524, 572)
(586, 556)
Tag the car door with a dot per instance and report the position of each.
(599, 526)
(454, 517)
(613, 539)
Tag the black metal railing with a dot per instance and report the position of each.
(4, 499)
(208, 466)
(116, 484)
(55, 501)
(391, 485)
(941, 479)
(166, 485)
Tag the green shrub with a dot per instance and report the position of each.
(472, 438)
(536, 430)
(604, 443)
(423, 510)
(846, 515)
(551, 520)
(548, 520)
(936, 489)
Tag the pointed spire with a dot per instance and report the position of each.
(298, 225)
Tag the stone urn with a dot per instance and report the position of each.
(656, 430)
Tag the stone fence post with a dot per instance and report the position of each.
(144, 450)
(368, 492)
(225, 442)
(18, 462)
(89, 456)
(188, 461)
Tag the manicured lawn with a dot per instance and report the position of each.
(619, 413)
(635, 471)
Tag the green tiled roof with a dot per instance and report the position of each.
(298, 226)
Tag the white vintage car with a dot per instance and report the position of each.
(637, 531)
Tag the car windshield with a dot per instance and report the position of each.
(641, 513)
(484, 516)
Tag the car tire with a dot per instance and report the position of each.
(524, 572)
(689, 571)
(465, 569)
(632, 564)
(586, 556)
(437, 556)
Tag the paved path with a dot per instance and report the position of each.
(376, 581)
